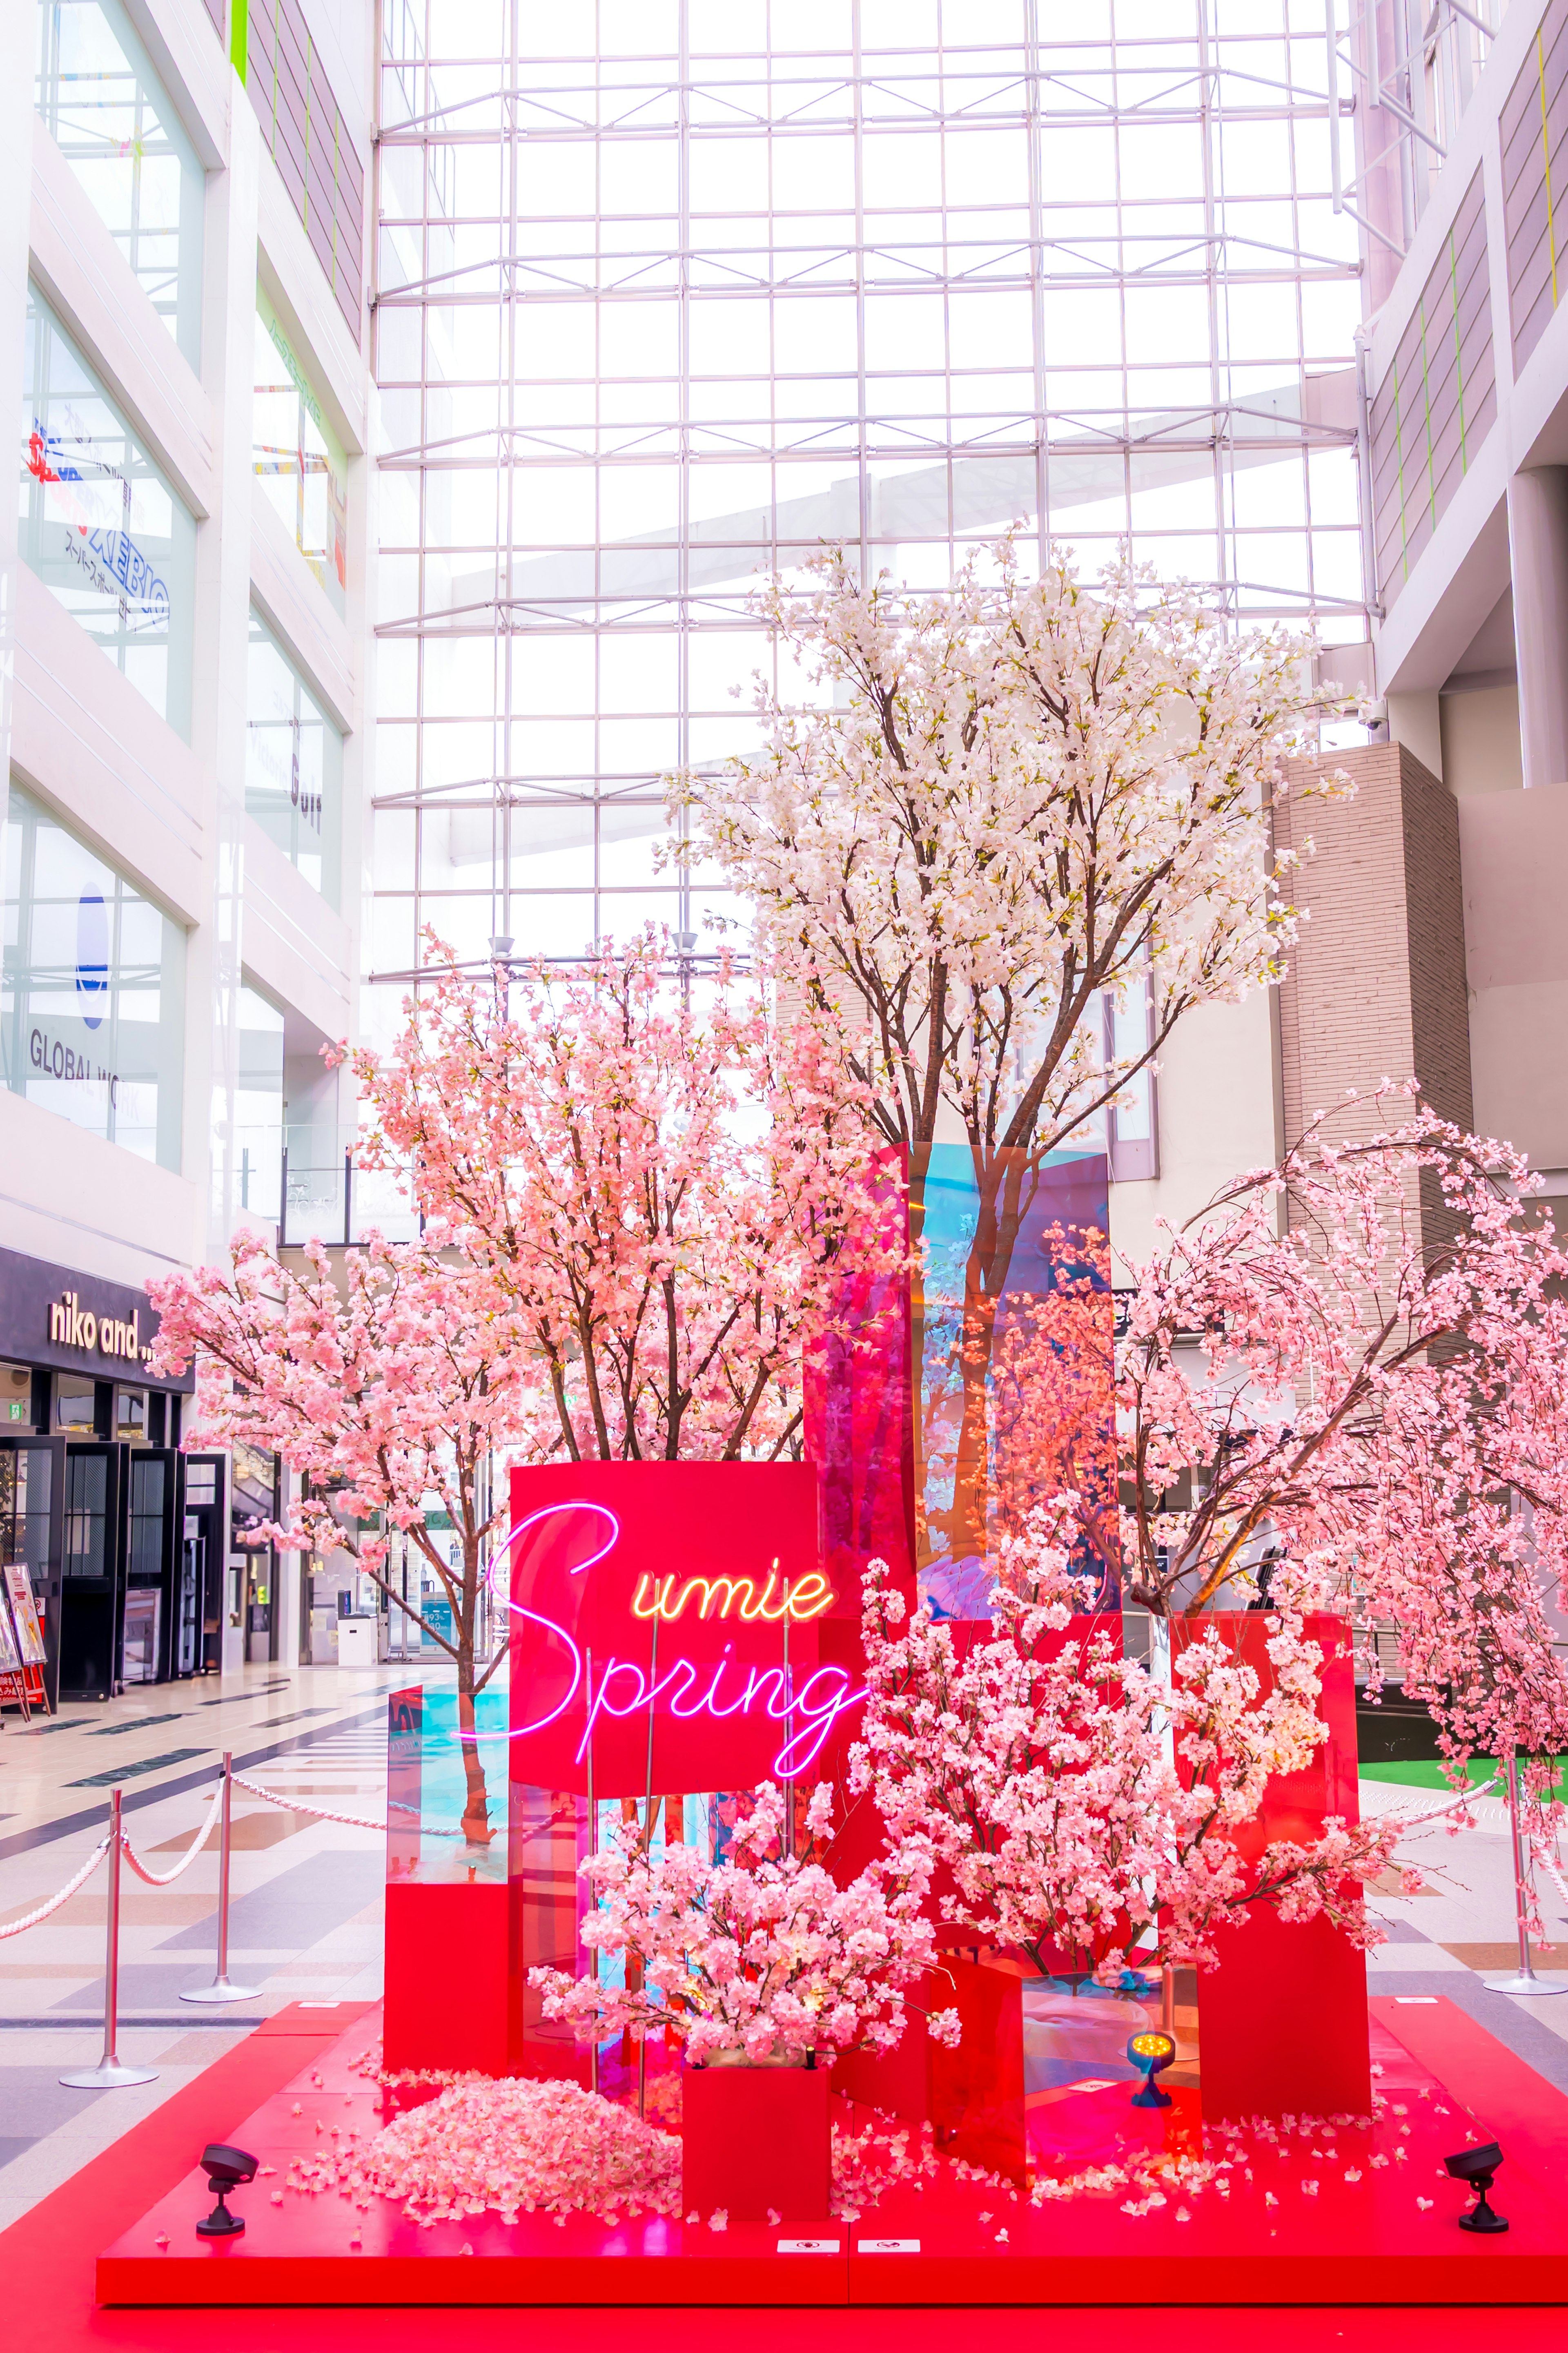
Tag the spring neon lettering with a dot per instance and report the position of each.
(624, 1688)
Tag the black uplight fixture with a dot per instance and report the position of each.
(1152, 2050)
(1478, 2167)
(225, 2168)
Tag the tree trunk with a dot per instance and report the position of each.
(477, 1812)
(1004, 1185)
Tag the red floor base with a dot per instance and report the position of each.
(1388, 2238)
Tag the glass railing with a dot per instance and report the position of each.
(333, 1201)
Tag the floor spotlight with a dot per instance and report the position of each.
(225, 2168)
(1152, 2050)
(1478, 2167)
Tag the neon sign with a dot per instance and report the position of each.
(807, 1599)
(719, 1688)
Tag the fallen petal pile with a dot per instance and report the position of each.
(507, 2147)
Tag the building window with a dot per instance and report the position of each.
(91, 990)
(259, 1106)
(107, 113)
(100, 526)
(294, 762)
(301, 462)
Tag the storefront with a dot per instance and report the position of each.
(122, 1537)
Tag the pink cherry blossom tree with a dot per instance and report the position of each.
(1008, 807)
(1387, 1414)
(663, 1186)
(390, 1388)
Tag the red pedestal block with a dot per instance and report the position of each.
(755, 2139)
(1282, 2021)
(447, 1976)
(1380, 2227)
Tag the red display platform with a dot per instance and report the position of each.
(1265, 2242)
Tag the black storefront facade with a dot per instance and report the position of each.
(124, 1537)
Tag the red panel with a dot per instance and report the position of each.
(1282, 2020)
(755, 2139)
(977, 2089)
(446, 1976)
(589, 1538)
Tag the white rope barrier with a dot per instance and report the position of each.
(321, 1814)
(162, 1878)
(1414, 1821)
(31, 1919)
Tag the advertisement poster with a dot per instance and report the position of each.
(29, 1634)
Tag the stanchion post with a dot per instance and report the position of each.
(220, 1988)
(111, 2072)
(1525, 1981)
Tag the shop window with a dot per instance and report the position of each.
(131, 1415)
(300, 460)
(76, 1405)
(149, 1478)
(107, 112)
(294, 761)
(87, 1515)
(15, 1398)
(100, 526)
(91, 990)
(26, 1477)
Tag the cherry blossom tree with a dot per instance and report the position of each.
(762, 1953)
(1086, 1811)
(390, 1395)
(1384, 1412)
(1014, 804)
(663, 1191)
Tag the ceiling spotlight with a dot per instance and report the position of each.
(226, 2168)
(1152, 2050)
(1478, 2167)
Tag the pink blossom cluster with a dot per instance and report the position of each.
(510, 2146)
(661, 1185)
(764, 1955)
(1081, 1805)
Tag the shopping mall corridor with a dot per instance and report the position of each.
(306, 1905)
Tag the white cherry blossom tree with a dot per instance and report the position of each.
(1010, 805)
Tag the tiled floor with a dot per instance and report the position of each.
(305, 1919)
(306, 1916)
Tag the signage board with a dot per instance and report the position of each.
(667, 1627)
(76, 1323)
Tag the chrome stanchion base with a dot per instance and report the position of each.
(111, 2075)
(1526, 1985)
(221, 1989)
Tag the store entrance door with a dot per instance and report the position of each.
(151, 1641)
(32, 1531)
(94, 1569)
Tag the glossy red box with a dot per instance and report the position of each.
(756, 2139)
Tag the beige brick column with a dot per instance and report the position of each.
(1376, 987)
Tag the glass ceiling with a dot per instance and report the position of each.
(670, 292)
